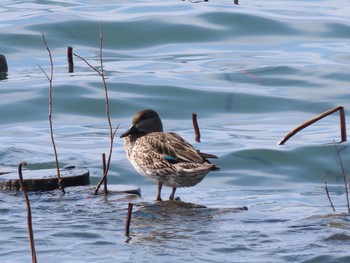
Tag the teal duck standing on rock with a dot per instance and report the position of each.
(165, 158)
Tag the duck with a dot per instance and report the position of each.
(164, 157)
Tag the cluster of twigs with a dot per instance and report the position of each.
(111, 135)
(112, 132)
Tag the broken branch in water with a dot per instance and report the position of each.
(196, 128)
(29, 213)
(317, 118)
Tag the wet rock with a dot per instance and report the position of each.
(3, 64)
(45, 179)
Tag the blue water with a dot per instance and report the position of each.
(252, 72)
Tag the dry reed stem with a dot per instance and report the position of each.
(344, 177)
(50, 79)
(196, 128)
(317, 118)
(327, 192)
(111, 132)
(29, 213)
(128, 220)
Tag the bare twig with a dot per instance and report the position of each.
(111, 132)
(317, 118)
(29, 213)
(87, 63)
(327, 192)
(50, 79)
(344, 177)
(108, 162)
(196, 128)
(104, 172)
(128, 220)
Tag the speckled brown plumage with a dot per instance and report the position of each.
(165, 158)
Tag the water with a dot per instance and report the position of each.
(252, 72)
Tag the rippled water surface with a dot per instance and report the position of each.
(252, 72)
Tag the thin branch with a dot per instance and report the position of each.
(344, 177)
(87, 63)
(29, 213)
(50, 79)
(327, 192)
(111, 132)
(47, 76)
(104, 172)
(317, 118)
(101, 56)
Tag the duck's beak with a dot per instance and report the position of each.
(128, 132)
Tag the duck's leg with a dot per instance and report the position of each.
(172, 195)
(159, 198)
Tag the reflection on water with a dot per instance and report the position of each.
(154, 222)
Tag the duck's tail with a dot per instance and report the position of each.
(215, 168)
(207, 155)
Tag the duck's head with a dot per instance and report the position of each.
(144, 122)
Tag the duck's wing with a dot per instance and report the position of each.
(174, 148)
